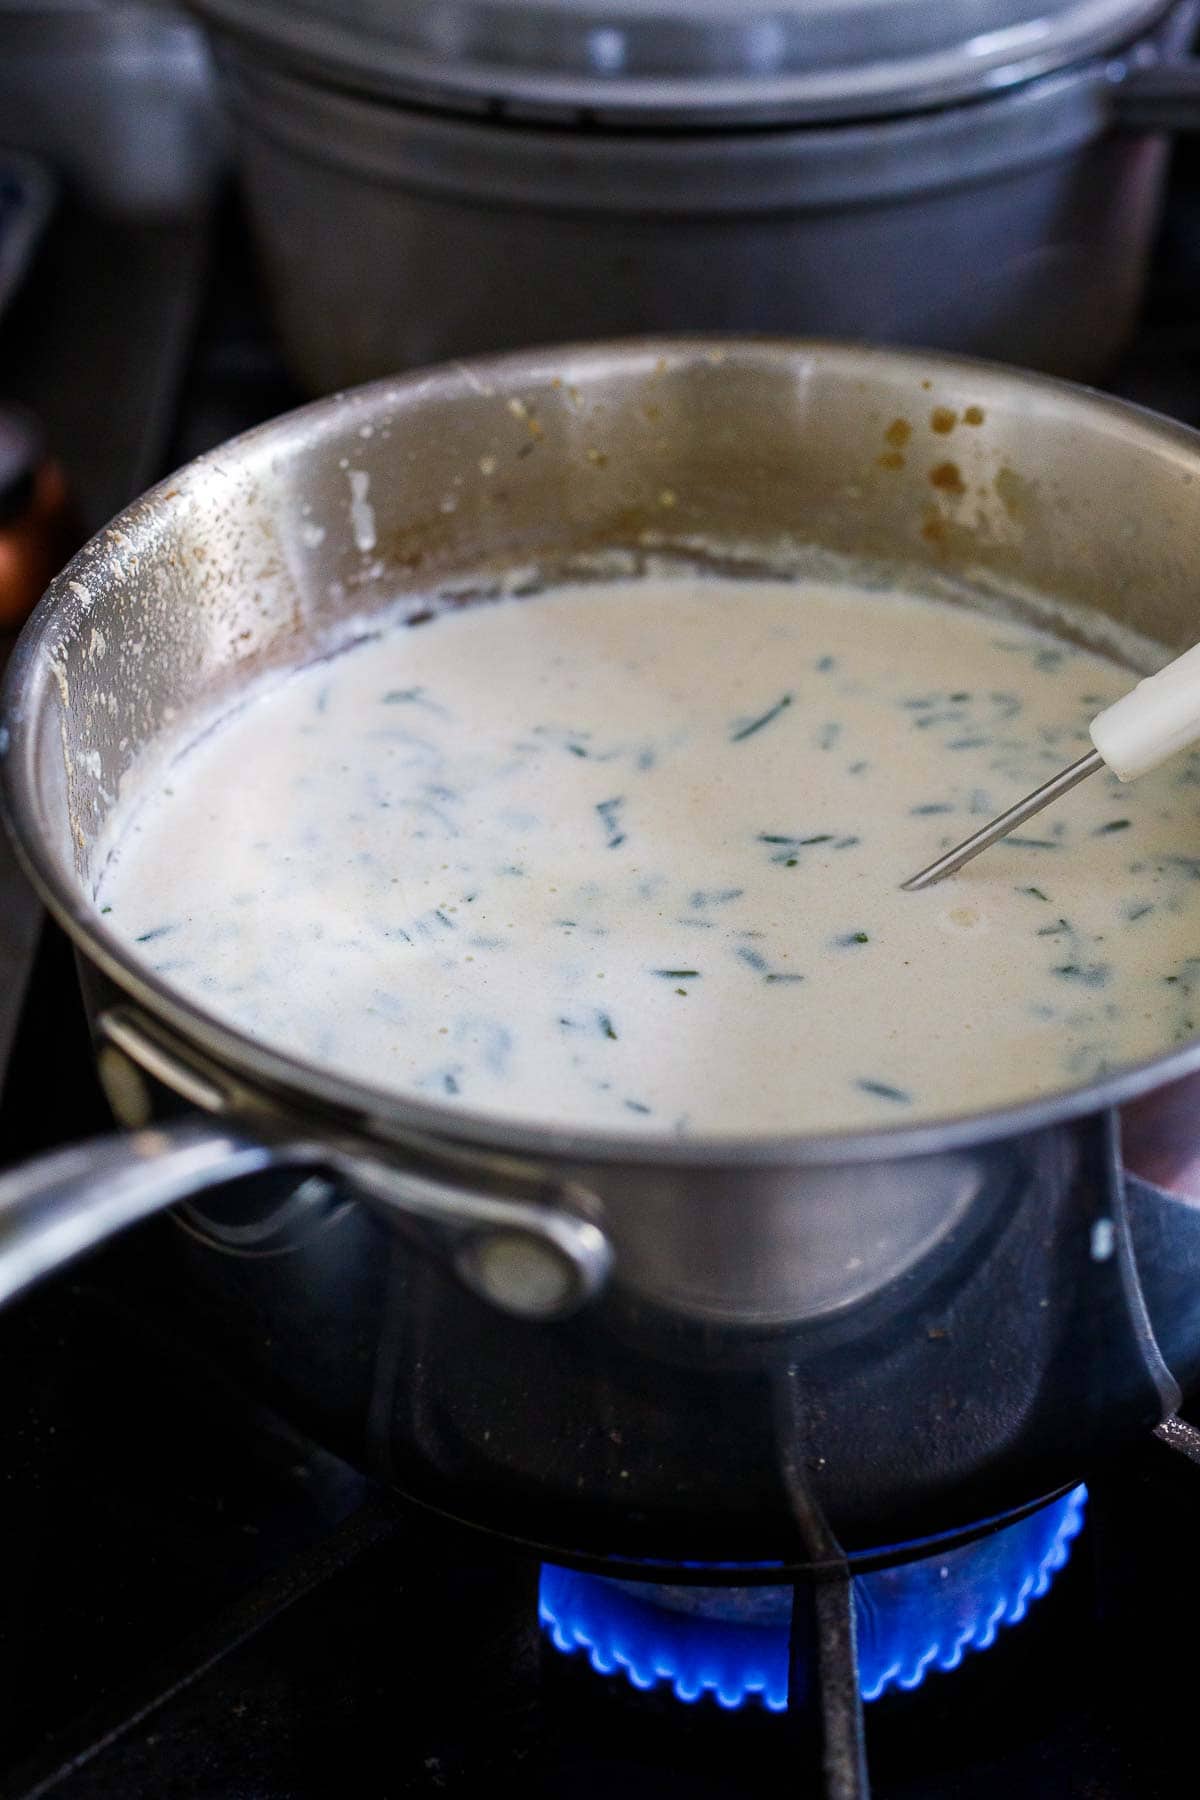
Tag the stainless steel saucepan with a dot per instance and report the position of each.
(636, 1348)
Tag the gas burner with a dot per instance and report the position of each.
(732, 1643)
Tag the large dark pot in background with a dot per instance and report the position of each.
(457, 176)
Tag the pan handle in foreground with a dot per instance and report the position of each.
(56, 1208)
(535, 1262)
(537, 1254)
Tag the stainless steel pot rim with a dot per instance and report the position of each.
(662, 65)
(388, 1113)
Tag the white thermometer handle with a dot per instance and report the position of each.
(1157, 718)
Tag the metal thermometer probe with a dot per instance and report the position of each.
(1155, 720)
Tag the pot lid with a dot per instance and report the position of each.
(699, 62)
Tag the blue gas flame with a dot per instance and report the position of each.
(911, 1619)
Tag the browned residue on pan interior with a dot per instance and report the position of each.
(943, 419)
(973, 415)
(891, 459)
(947, 478)
(898, 433)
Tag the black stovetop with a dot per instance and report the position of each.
(199, 1602)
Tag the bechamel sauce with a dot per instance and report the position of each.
(627, 855)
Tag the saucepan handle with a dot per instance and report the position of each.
(533, 1261)
(540, 1257)
(1160, 96)
(58, 1207)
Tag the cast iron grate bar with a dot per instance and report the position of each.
(1178, 1435)
(825, 1706)
(823, 1669)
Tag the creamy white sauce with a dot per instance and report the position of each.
(627, 856)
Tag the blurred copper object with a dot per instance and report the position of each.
(36, 532)
(1160, 1137)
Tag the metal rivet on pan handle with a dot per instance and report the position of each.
(535, 1260)
(533, 1276)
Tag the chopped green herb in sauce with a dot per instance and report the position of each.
(884, 1091)
(747, 729)
(1090, 974)
(609, 811)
